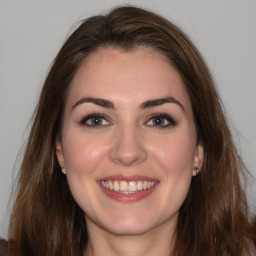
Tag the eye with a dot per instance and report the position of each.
(161, 121)
(94, 120)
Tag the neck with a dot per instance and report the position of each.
(157, 241)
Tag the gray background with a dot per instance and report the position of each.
(31, 33)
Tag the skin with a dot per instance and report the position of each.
(129, 142)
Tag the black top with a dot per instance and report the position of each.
(3, 245)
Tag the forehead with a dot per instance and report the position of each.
(127, 76)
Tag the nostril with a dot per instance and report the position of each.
(126, 159)
(128, 152)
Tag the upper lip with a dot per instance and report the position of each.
(127, 178)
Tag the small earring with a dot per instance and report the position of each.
(63, 169)
(197, 170)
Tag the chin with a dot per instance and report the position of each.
(129, 230)
(132, 225)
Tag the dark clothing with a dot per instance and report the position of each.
(3, 245)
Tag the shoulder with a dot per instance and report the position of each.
(3, 245)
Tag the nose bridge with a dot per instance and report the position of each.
(128, 146)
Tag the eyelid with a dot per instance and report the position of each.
(83, 121)
(165, 116)
(169, 118)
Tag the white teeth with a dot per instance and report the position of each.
(132, 186)
(127, 187)
(123, 186)
(139, 185)
(116, 186)
(110, 184)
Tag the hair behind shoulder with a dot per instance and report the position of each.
(213, 219)
(3, 246)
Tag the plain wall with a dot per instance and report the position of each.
(32, 32)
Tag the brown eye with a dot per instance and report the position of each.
(161, 121)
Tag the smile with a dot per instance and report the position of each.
(128, 188)
(125, 187)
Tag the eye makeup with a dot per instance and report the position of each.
(158, 121)
(95, 120)
(161, 120)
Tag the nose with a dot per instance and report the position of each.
(128, 147)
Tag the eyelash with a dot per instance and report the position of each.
(101, 117)
(168, 118)
(87, 118)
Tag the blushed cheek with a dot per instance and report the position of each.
(81, 155)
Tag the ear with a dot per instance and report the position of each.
(59, 153)
(198, 158)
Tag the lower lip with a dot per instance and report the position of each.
(132, 197)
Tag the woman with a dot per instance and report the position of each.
(130, 152)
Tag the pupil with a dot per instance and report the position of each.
(158, 120)
(96, 121)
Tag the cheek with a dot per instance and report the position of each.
(82, 152)
(175, 153)
(83, 157)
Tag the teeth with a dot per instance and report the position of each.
(110, 185)
(132, 186)
(127, 187)
(145, 185)
(116, 186)
(106, 184)
(139, 185)
(123, 186)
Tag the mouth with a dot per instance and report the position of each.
(127, 189)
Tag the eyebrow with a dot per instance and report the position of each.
(100, 102)
(158, 102)
(145, 105)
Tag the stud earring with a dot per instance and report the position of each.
(63, 169)
(197, 170)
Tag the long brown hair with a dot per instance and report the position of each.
(213, 219)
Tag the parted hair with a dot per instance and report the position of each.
(213, 220)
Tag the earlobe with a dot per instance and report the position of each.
(198, 159)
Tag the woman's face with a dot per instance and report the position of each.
(129, 141)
